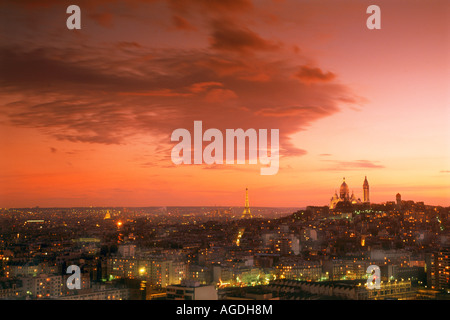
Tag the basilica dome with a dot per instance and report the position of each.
(344, 190)
(344, 196)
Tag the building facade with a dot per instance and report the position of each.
(191, 290)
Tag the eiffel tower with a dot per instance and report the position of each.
(246, 214)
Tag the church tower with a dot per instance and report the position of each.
(366, 190)
(398, 199)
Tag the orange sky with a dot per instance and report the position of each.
(86, 115)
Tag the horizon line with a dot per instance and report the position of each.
(209, 206)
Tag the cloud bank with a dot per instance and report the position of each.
(108, 92)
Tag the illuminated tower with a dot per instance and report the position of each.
(366, 190)
(398, 199)
(246, 213)
(344, 191)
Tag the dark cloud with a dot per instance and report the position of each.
(107, 93)
(211, 6)
(51, 68)
(295, 111)
(128, 45)
(105, 19)
(181, 23)
(76, 98)
(180, 5)
(314, 74)
(230, 37)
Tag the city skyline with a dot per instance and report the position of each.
(86, 115)
(356, 198)
(158, 254)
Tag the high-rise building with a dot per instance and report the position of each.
(366, 190)
(191, 290)
(42, 286)
(127, 250)
(158, 272)
(438, 269)
(10, 288)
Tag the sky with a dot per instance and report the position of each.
(86, 116)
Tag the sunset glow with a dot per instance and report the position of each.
(87, 115)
